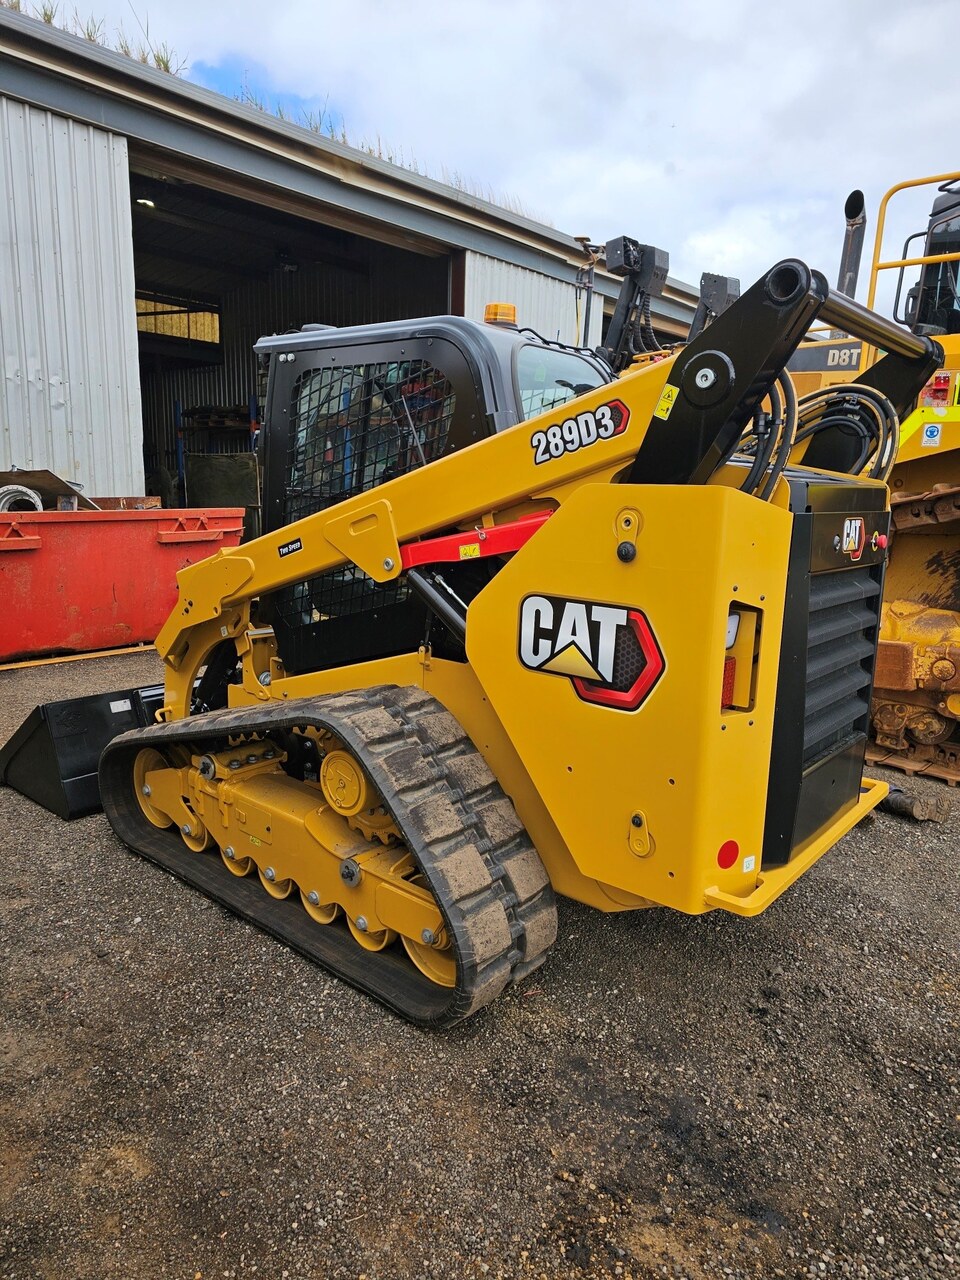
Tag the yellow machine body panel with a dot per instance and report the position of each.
(700, 554)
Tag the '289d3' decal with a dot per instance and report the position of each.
(580, 430)
(609, 653)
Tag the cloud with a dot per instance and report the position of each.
(728, 133)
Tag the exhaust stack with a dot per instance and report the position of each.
(855, 214)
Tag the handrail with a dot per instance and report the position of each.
(877, 266)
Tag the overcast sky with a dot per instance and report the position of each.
(728, 132)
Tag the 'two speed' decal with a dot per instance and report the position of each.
(608, 652)
(580, 431)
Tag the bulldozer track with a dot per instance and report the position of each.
(941, 505)
(460, 828)
(936, 766)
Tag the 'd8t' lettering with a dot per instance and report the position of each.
(843, 356)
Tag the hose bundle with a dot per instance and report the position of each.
(863, 425)
(852, 429)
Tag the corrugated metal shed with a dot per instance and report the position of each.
(69, 392)
(542, 303)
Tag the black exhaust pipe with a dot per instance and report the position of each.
(855, 214)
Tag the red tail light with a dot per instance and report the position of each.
(729, 677)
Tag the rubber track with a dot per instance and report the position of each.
(462, 830)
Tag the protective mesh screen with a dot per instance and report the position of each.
(353, 428)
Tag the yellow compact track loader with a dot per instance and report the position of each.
(518, 627)
(915, 713)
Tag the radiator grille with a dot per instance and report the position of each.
(841, 638)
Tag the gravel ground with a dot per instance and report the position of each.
(667, 1097)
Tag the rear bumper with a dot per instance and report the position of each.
(770, 884)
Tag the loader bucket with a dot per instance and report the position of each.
(52, 758)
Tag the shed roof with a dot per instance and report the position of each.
(191, 132)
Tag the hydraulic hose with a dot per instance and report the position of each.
(772, 439)
(788, 435)
(857, 411)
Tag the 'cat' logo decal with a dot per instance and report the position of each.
(854, 538)
(608, 652)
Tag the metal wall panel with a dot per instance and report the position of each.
(69, 388)
(394, 285)
(543, 303)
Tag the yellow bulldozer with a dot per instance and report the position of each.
(520, 627)
(915, 713)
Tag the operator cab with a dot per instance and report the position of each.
(932, 306)
(350, 409)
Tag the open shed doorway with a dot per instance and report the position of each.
(213, 274)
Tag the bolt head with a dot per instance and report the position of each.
(234, 764)
(230, 852)
(187, 829)
(428, 936)
(637, 820)
(705, 378)
(626, 552)
(388, 563)
(252, 759)
(145, 790)
(313, 898)
(362, 923)
(269, 874)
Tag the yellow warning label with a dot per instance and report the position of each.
(666, 402)
(470, 551)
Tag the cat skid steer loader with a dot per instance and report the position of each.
(518, 627)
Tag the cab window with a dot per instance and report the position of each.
(548, 378)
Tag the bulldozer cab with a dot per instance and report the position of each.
(932, 306)
(350, 409)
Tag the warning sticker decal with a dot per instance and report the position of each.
(668, 399)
